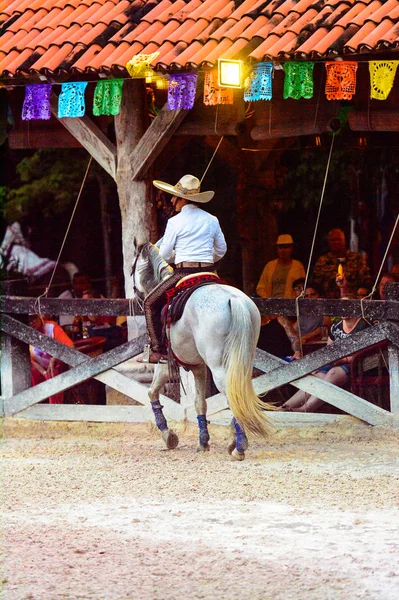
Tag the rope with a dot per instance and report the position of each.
(37, 301)
(380, 269)
(213, 156)
(313, 243)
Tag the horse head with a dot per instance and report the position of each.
(148, 269)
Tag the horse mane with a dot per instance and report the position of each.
(155, 269)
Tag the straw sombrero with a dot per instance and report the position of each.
(188, 187)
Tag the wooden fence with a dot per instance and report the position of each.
(19, 398)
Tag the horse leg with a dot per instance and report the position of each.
(239, 443)
(161, 376)
(238, 440)
(200, 406)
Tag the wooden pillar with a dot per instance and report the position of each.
(137, 212)
(392, 293)
(14, 359)
(393, 360)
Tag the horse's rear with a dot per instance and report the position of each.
(220, 328)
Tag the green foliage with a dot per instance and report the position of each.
(47, 183)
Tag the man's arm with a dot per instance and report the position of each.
(220, 246)
(166, 249)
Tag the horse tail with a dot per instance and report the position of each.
(238, 359)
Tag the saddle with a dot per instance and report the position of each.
(176, 297)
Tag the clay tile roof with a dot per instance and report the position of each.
(66, 38)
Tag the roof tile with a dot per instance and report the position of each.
(87, 36)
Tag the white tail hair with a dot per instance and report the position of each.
(238, 359)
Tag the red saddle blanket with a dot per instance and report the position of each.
(177, 296)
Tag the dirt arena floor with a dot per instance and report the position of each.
(96, 511)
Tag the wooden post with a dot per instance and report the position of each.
(137, 212)
(15, 359)
(15, 367)
(392, 293)
(393, 360)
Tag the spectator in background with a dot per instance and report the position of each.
(80, 284)
(385, 278)
(278, 275)
(43, 365)
(276, 335)
(311, 327)
(354, 266)
(337, 373)
(395, 272)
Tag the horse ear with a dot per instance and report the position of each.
(135, 244)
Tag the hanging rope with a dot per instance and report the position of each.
(313, 243)
(37, 301)
(380, 269)
(213, 156)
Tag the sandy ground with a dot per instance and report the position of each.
(94, 511)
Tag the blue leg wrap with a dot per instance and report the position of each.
(241, 438)
(160, 420)
(203, 430)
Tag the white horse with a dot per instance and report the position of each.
(219, 328)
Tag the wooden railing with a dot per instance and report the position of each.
(20, 398)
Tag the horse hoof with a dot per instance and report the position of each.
(236, 455)
(204, 448)
(231, 446)
(170, 438)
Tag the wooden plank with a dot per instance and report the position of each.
(72, 357)
(138, 391)
(373, 309)
(342, 399)
(83, 371)
(281, 419)
(70, 306)
(393, 361)
(156, 138)
(90, 137)
(90, 413)
(291, 371)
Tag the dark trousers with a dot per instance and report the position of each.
(156, 300)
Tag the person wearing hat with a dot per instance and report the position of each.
(193, 240)
(279, 275)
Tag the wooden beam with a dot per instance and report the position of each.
(154, 140)
(393, 361)
(87, 412)
(291, 419)
(381, 310)
(342, 399)
(71, 306)
(90, 137)
(288, 372)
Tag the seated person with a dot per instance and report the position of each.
(354, 266)
(276, 335)
(43, 365)
(278, 275)
(395, 271)
(338, 373)
(385, 278)
(80, 283)
(95, 319)
(310, 328)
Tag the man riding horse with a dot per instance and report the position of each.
(193, 240)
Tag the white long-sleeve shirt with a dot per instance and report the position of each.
(193, 235)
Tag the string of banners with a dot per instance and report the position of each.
(182, 87)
